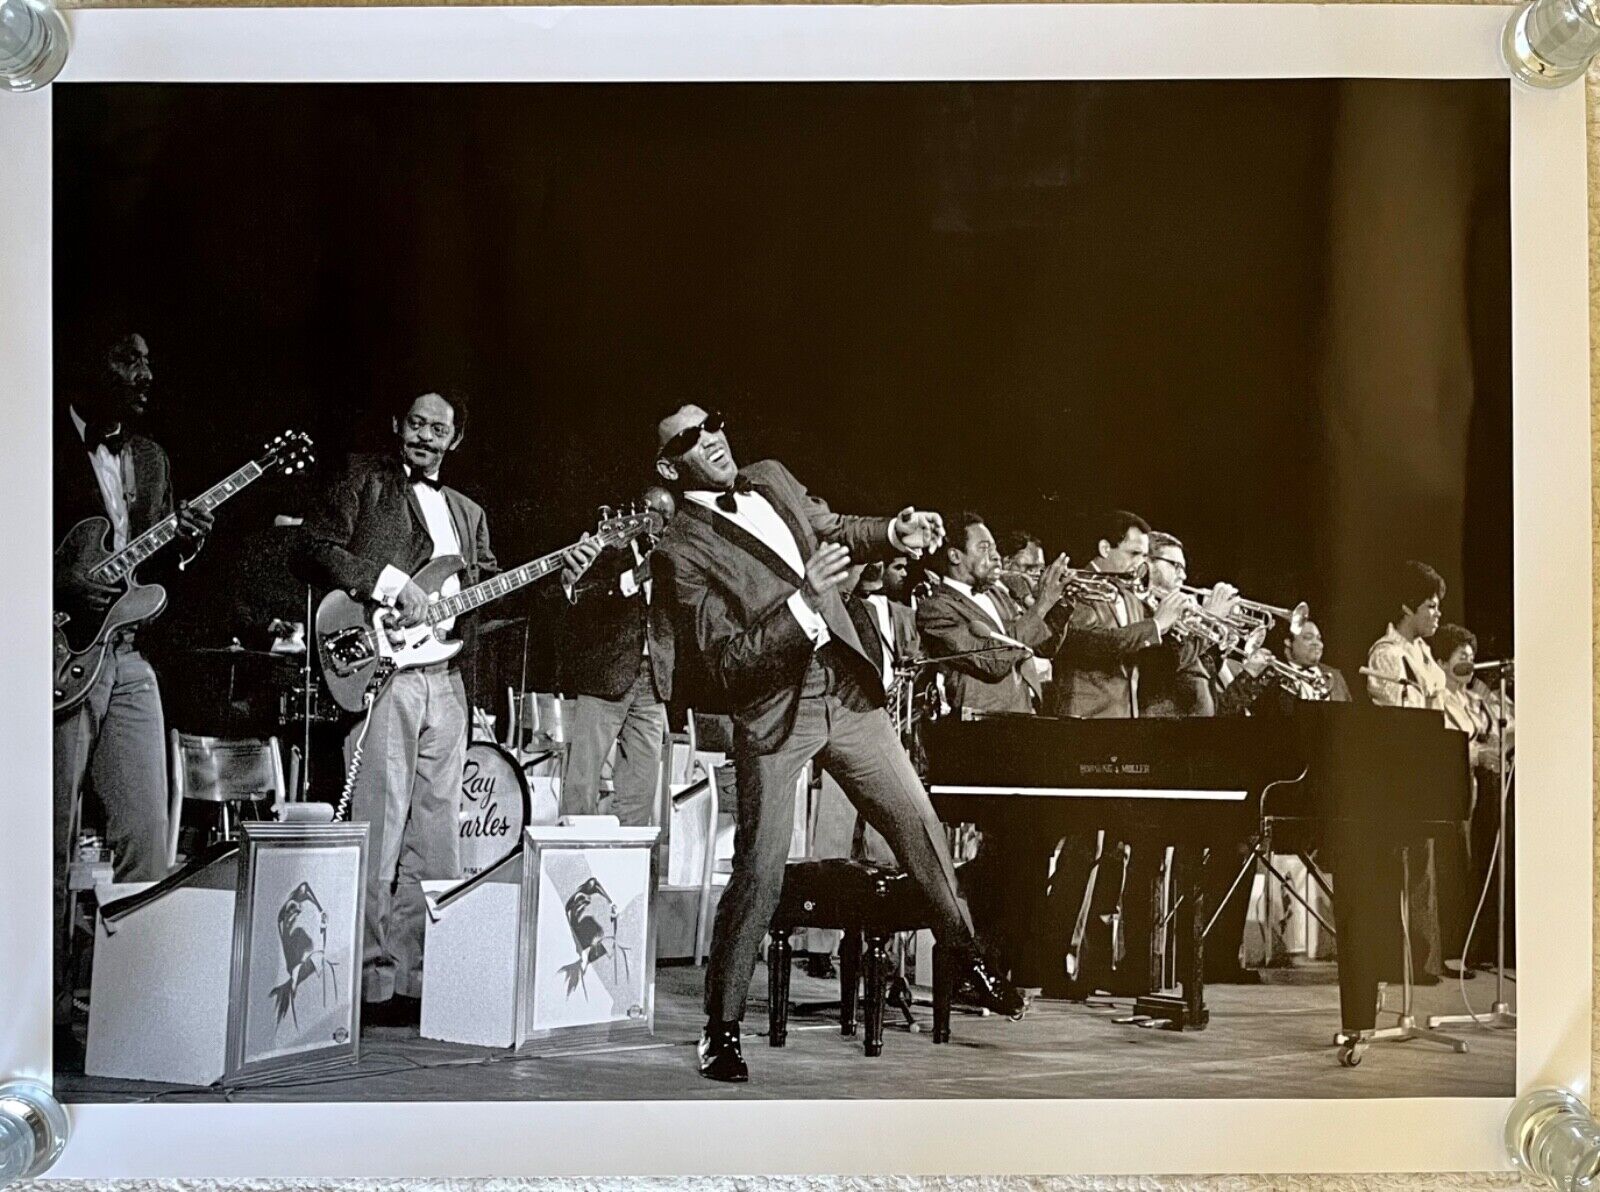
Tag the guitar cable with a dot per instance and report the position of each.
(343, 811)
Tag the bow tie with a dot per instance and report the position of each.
(109, 436)
(418, 476)
(725, 499)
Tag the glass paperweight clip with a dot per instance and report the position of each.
(33, 44)
(1552, 1136)
(1550, 43)
(33, 1130)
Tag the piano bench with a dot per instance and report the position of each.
(867, 904)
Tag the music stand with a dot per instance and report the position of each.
(1500, 1013)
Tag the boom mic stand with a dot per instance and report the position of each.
(1500, 1013)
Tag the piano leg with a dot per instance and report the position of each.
(1187, 1012)
(1190, 871)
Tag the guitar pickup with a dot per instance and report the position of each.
(348, 649)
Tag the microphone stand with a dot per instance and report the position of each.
(1500, 1013)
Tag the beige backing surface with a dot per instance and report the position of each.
(831, 1184)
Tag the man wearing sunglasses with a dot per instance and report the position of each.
(752, 568)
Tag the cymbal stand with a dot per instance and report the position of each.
(1353, 1044)
(306, 694)
(1500, 1013)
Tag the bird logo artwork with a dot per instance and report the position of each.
(303, 933)
(592, 916)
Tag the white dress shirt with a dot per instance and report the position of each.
(879, 604)
(982, 599)
(442, 529)
(755, 515)
(114, 474)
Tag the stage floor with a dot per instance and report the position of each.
(1270, 1040)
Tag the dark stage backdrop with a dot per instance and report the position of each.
(1037, 300)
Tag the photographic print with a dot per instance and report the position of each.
(1004, 434)
(1145, 447)
(297, 968)
(589, 941)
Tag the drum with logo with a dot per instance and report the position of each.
(494, 806)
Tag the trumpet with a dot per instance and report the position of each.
(1196, 622)
(1078, 583)
(1250, 615)
(1299, 681)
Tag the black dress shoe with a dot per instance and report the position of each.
(991, 991)
(397, 1011)
(720, 1057)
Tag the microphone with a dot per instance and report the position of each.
(983, 629)
(1496, 664)
(1404, 682)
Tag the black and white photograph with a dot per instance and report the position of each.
(298, 924)
(1068, 524)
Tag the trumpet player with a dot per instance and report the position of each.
(1022, 567)
(1097, 665)
(1266, 684)
(1180, 674)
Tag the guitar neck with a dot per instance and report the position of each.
(503, 584)
(121, 564)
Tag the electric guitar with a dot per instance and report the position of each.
(360, 644)
(83, 634)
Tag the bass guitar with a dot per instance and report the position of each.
(360, 644)
(83, 634)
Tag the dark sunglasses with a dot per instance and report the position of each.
(686, 438)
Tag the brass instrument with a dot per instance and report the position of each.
(1250, 615)
(1300, 682)
(1079, 583)
(1196, 622)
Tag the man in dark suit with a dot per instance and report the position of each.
(116, 737)
(381, 519)
(105, 468)
(613, 659)
(753, 564)
(1097, 677)
(1096, 667)
(970, 611)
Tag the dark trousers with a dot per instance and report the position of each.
(855, 743)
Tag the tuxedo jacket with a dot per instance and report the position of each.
(603, 633)
(1097, 665)
(990, 682)
(370, 518)
(739, 649)
(77, 492)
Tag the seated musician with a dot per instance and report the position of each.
(1258, 689)
(1403, 673)
(969, 617)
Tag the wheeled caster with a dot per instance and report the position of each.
(1350, 1055)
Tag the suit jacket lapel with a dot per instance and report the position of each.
(802, 534)
(740, 537)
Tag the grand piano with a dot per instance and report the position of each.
(1367, 780)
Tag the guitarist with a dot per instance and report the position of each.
(116, 737)
(380, 521)
(616, 660)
